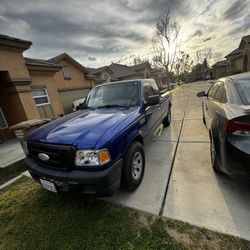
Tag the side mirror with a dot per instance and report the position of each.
(82, 105)
(153, 100)
(201, 94)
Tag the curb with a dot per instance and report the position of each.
(13, 163)
(6, 184)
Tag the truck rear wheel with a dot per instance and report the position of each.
(167, 120)
(133, 167)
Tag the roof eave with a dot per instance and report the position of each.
(14, 43)
(39, 67)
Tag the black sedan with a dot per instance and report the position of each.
(226, 113)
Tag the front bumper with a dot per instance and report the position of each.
(102, 183)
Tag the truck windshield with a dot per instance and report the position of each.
(124, 94)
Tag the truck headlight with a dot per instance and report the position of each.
(92, 157)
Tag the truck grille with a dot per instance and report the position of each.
(60, 156)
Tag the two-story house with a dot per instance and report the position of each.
(34, 88)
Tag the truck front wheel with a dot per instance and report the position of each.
(133, 167)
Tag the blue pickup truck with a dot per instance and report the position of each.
(99, 147)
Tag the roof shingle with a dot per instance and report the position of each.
(40, 62)
(220, 64)
(234, 53)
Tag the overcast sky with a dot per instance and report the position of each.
(97, 32)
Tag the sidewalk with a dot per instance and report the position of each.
(10, 152)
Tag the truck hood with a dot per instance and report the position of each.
(82, 129)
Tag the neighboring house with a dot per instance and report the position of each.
(233, 61)
(219, 69)
(43, 89)
(239, 59)
(71, 82)
(200, 71)
(33, 88)
(118, 72)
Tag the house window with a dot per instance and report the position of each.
(40, 96)
(3, 123)
(66, 73)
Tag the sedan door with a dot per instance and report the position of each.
(209, 105)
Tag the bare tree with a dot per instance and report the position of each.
(203, 54)
(165, 41)
(216, 56)
(183, 64)
(137, 60)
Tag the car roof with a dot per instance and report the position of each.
(231, 82)
(242, 76)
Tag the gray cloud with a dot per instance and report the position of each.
(92, 58)
(198, 33)
(207, 39)
(97, 32)
(236, 9)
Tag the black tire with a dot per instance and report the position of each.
(203, 116)
(131, 175)
(204, 120)
(167, 120)
(214, 155)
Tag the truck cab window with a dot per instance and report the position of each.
(148, 90)
(155, 87)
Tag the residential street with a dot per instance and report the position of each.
(194, 193)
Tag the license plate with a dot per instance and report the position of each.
(48, 185)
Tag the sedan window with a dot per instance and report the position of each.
(220, 94)
(243, 87)
(212, 90)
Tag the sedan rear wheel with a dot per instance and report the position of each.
(214, 156)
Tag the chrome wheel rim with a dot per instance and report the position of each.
(137, 165)
(212, 149)
(169, 116)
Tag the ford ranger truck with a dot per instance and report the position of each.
(99, 147)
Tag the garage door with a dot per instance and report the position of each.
(69, 96)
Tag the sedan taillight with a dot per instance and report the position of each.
(236, 127)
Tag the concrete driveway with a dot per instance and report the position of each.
(179, 182)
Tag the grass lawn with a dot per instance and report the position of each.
(31, 218)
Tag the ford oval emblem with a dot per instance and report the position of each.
(43, 157)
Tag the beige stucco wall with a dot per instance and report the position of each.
(12, 109)
(29, 105)
(16, 101)
(46, 80)
(13, 62)
(237, 64)
(246, 51)
(77, 80)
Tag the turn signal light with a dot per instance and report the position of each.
(104, 157)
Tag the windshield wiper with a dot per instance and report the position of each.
(113, 106)
(86, 107)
